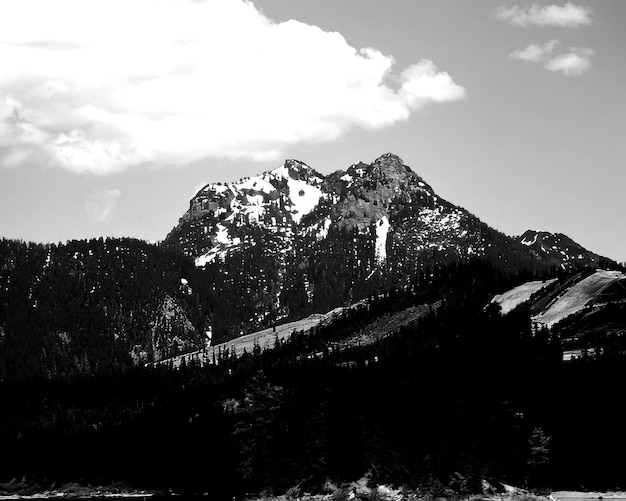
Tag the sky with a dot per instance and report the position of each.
(113, 113)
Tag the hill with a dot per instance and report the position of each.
(92, 306)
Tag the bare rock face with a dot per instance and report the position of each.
(295, 200)
(171, 331)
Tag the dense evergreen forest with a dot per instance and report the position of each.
(461, 395)
(102, 305)
(92, 306)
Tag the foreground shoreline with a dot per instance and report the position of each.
(565, 495)
(351, 493)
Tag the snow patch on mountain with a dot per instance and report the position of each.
(440, 220)
(209, 257)
(528, 242)
(320, 230)
(255, 184)
(382, 229)
(304, 194)
(304, 198)
(222, 234)
(224, 244)
(217, 188)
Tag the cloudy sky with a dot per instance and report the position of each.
(114, 112)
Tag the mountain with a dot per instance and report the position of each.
(403, 277)
(384, 200)
(247, 256)
(558, 249)
(291, 241)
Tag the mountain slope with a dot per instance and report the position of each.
(291, 242)
(551, 301)
(384, 200)
(93, 306)
(575, 298)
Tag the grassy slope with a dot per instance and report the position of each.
(264, 338)
(520, 294)
(576, 297)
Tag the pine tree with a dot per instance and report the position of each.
(538, 457)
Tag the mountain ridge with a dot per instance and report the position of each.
(557, 248)
(294, 197)
(258, 252)
(291, 241)
(341, 197)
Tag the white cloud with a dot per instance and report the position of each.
(422, 83)
(572, 63)
(99, 204)
(102, 85)
(535, 53)
(566, 16)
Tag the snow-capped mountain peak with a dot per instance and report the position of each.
(385, 199)
(296, 170)
(292, 237)
(276, 200)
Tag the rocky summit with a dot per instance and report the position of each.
(385, 200)
(557, 249)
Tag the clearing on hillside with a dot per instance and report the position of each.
(520, 294)
(577, 297)
(265, 338)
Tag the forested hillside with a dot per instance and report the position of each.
(92, 306)
(462, 395)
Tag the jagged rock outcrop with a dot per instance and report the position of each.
(385, 198)
(558, 249)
